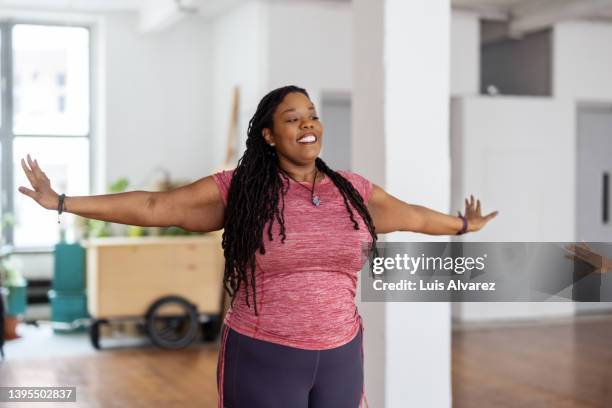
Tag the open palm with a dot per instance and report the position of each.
(42, 192)
(476, 221)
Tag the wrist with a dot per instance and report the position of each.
(464, 225)
(61, 204)
(52, 203)
(471, 227)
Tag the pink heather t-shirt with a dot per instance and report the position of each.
(306, 286)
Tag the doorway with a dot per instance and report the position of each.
(336, 117)
(594, 182)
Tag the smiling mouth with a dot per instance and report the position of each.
(308, 139)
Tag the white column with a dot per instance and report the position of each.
(401, 142)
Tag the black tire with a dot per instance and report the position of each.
(94, 333)
(172, 331)
(211, 328)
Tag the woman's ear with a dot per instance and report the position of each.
(267, 135)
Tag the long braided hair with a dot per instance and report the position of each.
(254, 199)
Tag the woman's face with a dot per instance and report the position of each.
(297, 132)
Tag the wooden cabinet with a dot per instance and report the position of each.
(126, 275)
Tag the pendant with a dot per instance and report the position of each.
(316, 201)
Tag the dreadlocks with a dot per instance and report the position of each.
(253, 199)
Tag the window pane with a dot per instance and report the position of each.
(2, 210)
(66, 162)
(50, 80)
(2, 93)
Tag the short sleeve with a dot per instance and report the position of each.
(362, 184)
(223, 179)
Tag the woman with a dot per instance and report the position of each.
(292, 238)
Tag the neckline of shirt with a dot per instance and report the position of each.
(325, 180)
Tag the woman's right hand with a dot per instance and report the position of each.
(43, 194)
(585, 253)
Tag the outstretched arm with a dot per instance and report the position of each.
(391, 214)
(194, 207)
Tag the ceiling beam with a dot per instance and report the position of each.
(484, 12)
(536, 15)
(159, 15)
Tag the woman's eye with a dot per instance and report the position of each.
(315, 117)
(291, 120)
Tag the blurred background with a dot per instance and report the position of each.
(509, 100)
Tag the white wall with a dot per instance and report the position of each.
(517, 155)
(582, 60)
(465, 53)
(416, 136)
(158, 99)
(311, 46)
(400, 127)
(240, 57)
(367, 158)
(152, 99)
(582, 63)
(368, 122)
(261, 46)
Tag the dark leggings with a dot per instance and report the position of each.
(262, 374)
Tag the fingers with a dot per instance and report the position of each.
(27, 191)
(584, 250)
(34, 173)
(491, 215)
(36, 168)
(29, 173)
(571, 248)
(472, 205)
(33, 164)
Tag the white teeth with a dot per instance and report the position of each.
(307, 139)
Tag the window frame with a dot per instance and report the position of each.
(8, 189)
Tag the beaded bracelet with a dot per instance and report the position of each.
(60, 206)
(465, 225)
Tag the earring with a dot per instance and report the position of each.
(272, 144)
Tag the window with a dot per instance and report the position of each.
(46, 112)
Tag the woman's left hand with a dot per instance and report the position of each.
(472, 212)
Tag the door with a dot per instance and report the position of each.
(594, 182)
(336, 119)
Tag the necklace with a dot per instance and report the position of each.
(314, 198)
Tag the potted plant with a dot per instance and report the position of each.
(91, 228)
(95, 228)
(13, 285)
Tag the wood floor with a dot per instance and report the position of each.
(554, 366)
(559, 365)
(133, 378)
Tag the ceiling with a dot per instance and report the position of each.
(75, 5)
(522, 15)
(205, 7)
(502, 4)
(566, 9)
